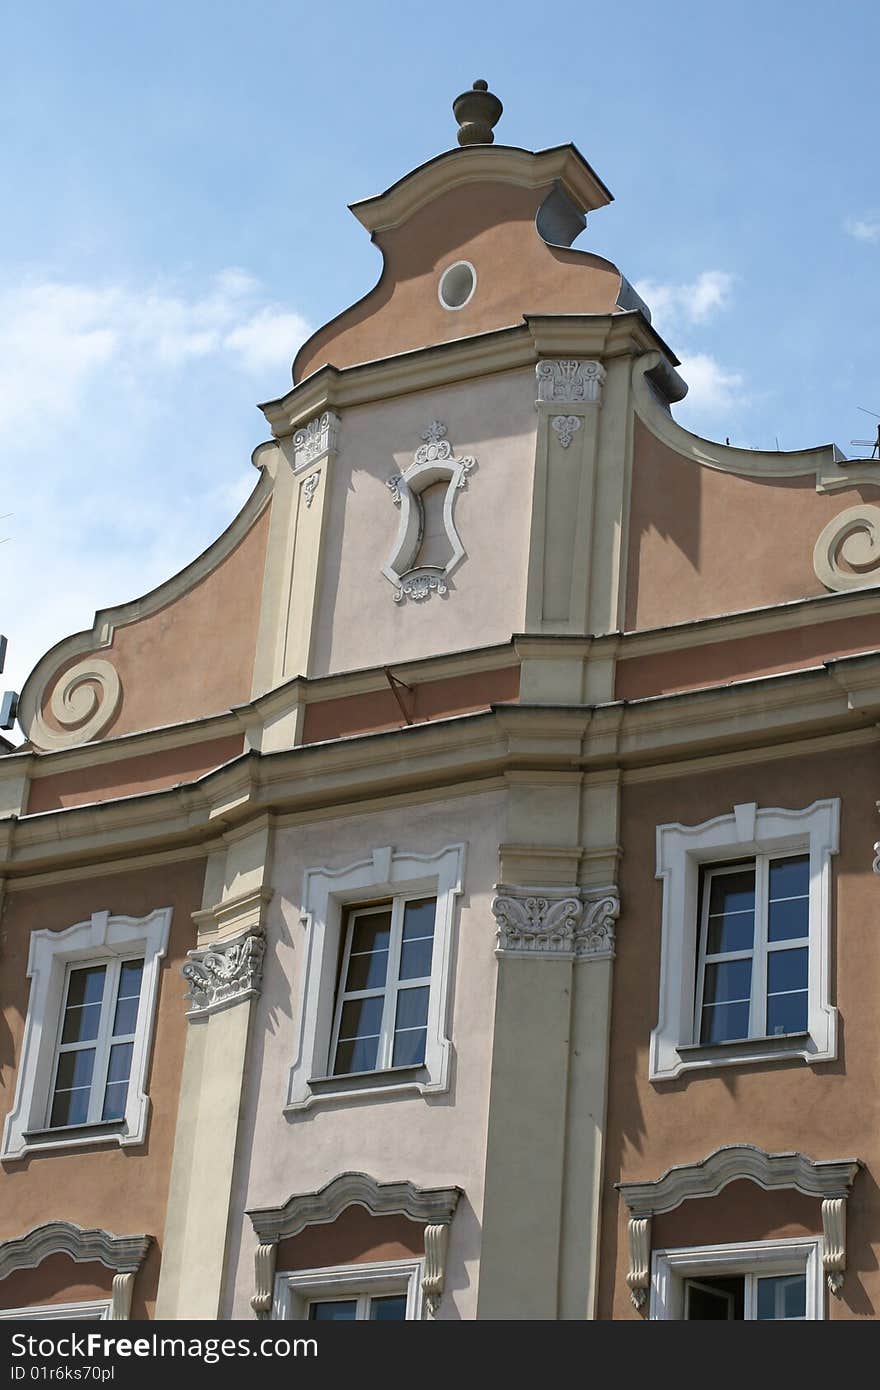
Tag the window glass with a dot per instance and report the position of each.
(95, 1051)
(782, 1298)
(339, 1310)
(390, 1308)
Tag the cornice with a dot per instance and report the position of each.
(430, 759)
(428, 1205)
(706, 1178)
(485, 164)
(827, 465)
(124, 1254)
(466, 359)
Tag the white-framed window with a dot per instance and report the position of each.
(386, 1291)
(771, 1280)
(97, 1311)
(375, 993)
(86, 1044)
(745, 950)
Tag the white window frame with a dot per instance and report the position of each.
(748, 832)
(99, 940)
(294, 1292)
(327, 893)
(765, 1258)
(104, 1039)
(393, 985)
(97, 1311)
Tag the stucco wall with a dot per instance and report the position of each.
(358, 623)
(705, 542)
(121, 1189)
(438, 1141)
(827, 1111)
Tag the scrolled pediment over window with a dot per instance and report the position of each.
(124, 1255)
(414, 566)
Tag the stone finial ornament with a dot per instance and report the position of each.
(477, 111)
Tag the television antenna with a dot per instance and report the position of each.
(872, 444)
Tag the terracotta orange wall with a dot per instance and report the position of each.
(378, 709)
(703, 542)
(663, 672)
(826, 1111)
(742, 1211)
(492, 225)
(128, 776)
(59, 1279)
(355, 1237)
(195, 656)
(123, 1190)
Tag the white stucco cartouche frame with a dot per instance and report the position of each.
(294, 1292)
(765, 1258)
(681, 850)
(100, 938)
(433, 462)
(326, 893)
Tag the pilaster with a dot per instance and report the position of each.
(223, 974)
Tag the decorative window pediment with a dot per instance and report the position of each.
(123, 1254)
(433, 463)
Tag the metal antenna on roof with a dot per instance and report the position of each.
(872, 444)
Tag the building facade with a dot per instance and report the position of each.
(451, 896)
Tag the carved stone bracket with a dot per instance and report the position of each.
(828, 1179)
(569, 382)
(558, 923)
(224, 974)
(436, 1245)
(314, 440)
(264, 1279)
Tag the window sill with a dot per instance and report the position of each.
(69, 1137)
(355, 1085)
(745, 1050)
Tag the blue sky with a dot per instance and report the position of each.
(176, 179)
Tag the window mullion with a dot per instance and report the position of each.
(701, 945)
(58, 1047)
(750, 1298)
(758, 1010)
(389, 1013)
(102, 1042)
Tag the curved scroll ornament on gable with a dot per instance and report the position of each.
(84, 702)
(433, 462)
(847, 553)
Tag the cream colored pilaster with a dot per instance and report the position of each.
(293, 559)
(224, 973)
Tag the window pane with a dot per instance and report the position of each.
(389, 1309)
(367, 970)
(82, 1014)
(790, 878)
(412, 1008)
(360, 1055)
(128, 998)
(70, 1104)
(731, 923)
(415, 959)
(409, 1048)
(115, 1098)
(368, 962)
(787, 1013)
(70, 1108)
(786, 970)
(361, 1018)
(75, 1068)
(732, 892)
(120, 1062)
(784, 1297)
(418, 918)
(724, 1022)
(372, 933)
(727, 981)
(715, 1299)
(341, 1310)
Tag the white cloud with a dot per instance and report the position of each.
(712, 390)
(57, 340)
(864, 228)
(672, 305)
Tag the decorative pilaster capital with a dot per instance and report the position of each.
(638, 1278)
(556, 923)
(224, 974)
(569, 382)
(264, 1279)
(314, 440)
(434, 1281)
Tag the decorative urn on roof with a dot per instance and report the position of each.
(477, 111)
